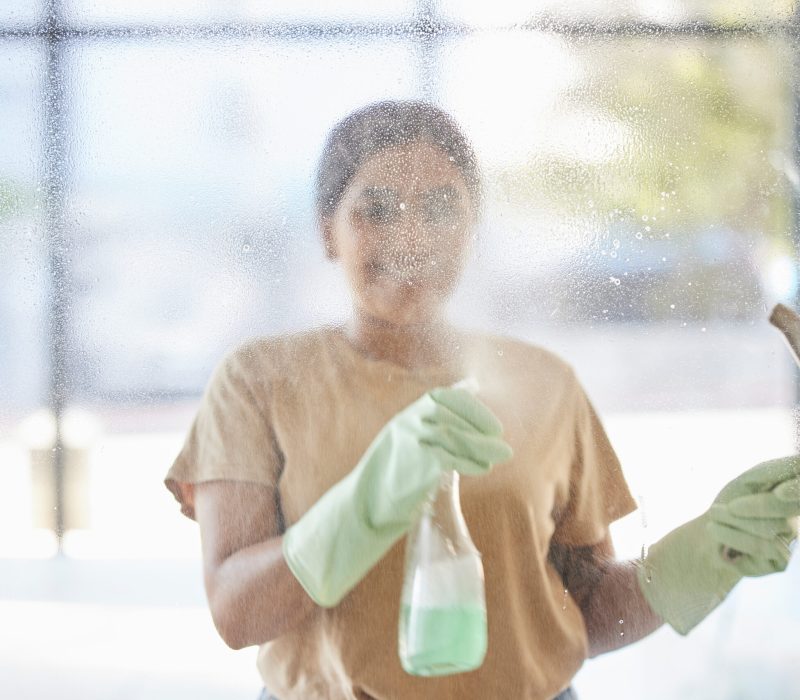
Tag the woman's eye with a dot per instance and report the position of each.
(380, 212)
(440, 211)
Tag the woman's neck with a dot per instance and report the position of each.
(414, 346)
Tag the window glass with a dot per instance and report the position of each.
(119, 11)
(23, 283)
(719, 12)
(14, 13)
(639, 219)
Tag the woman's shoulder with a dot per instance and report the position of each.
(276, 354)
(527, 355)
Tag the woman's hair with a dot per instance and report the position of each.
(382, 125)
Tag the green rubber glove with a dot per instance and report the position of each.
(689, 572)
(344, 534)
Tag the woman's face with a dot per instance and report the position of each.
(402, 232)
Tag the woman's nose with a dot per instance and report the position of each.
(411, 236)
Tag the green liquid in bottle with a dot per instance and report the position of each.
(440, 641)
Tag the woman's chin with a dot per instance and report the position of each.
(398, 303)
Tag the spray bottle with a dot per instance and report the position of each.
(442, 627)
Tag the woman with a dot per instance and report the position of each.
(311, 453)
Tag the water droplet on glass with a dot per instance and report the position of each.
(402, 206)
(672, 306)
(647, 228)
(613, 253)
(564, 604)
(616, 242)
(500, 352)
(615, 280)
(644, 217)
(246, 247)
(703, 329)
(639, 235)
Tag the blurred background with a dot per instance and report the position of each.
(156, 161)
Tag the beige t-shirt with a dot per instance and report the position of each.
(297, 411)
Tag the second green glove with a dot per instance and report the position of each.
(686, 574)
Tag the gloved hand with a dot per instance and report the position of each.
(686, 574)
(344, 534)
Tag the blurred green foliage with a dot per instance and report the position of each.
(702, 117)
(13, 199)
(700, 177)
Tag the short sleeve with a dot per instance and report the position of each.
(598, 492)
(231, 436)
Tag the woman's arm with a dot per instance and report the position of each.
(606, 591)
(252, 594)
